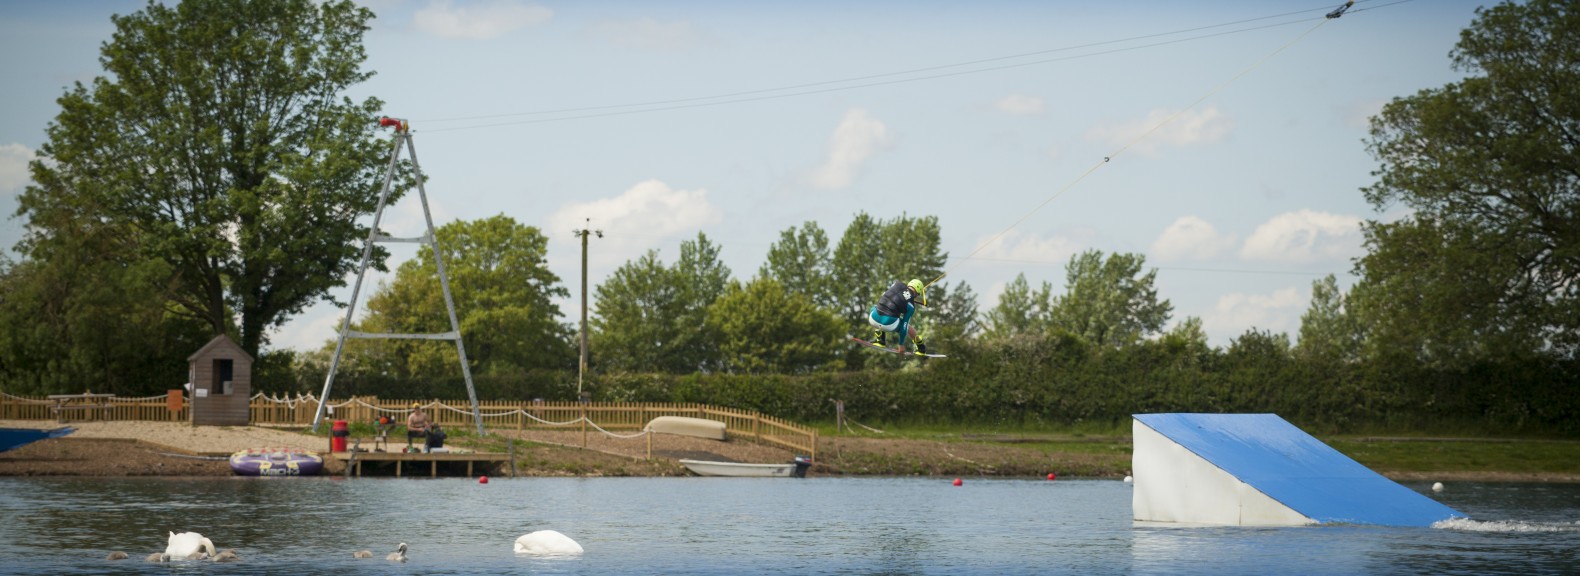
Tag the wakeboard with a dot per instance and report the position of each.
(891, 351)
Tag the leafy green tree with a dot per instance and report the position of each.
(81, 319)
(1327, 331)
(767, 328)
(1108, 301)
(1484, 264)
(800, 261)
(1019, 311)
(504, 299)
(220, 143)
(649, 317)
(872, 255)
(951, 315)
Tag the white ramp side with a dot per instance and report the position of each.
(1259, 470)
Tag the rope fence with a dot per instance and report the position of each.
(622, 420)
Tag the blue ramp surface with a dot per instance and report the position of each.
(1299, 471)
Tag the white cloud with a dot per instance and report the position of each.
(13, 169)
(312, 329)
(648, 34)
(479, 20)
(1014, 245)
(1145, 135)
(1304, 236)
(1190, 238)
(1019, 105)
(1238, 312)
(856, 139)
(637, 218)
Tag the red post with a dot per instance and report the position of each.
(337, 436)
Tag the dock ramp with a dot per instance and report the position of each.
(1260, 470)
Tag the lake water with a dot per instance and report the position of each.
(741, 526)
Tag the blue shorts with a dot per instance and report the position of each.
(890, 323)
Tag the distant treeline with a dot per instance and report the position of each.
(1061, 383)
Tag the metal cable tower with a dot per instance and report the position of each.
(402, 136)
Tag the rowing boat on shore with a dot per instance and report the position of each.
(793, 469)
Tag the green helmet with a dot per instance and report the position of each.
(916, 285)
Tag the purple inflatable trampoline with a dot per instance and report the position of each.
(276, 462)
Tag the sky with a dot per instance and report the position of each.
(1234, 130)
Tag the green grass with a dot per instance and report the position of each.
(1395, 453)
(1462, 455)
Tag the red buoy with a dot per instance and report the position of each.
(1052, 476)
(958, 482)
(482, 480)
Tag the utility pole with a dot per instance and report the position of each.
(582, 367)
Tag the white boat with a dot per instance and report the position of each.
(794, 469)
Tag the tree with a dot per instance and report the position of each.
(1019, 310)
(765, 327)
(1485, 262)
(82, 319)
(1327, 331)
(951, 315)
(1109, 302)
(873, 255)
(800, 261)
(649, 317)
(219, 144)
(504, 299)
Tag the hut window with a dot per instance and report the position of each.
(222, 376)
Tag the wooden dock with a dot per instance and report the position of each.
(353, 460)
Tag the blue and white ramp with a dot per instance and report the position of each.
(1259, 470)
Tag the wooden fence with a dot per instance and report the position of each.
(611, 417)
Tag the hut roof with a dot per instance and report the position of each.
(221, 340)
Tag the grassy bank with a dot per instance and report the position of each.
(1093, 452)
(1099, 454)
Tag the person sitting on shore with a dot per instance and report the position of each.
(417, 424)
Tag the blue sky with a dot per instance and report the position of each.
(1240, 189)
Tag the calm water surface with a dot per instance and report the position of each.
(742, 526)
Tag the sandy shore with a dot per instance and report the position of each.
(141, 448)
(184, 437)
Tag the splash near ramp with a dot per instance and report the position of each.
(1259, 470)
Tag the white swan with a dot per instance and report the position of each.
(547, 542)
(399, 555)
(189, 546)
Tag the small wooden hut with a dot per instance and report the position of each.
(221, 377)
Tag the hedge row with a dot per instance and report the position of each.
(1060, 382)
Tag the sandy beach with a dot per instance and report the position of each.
(142, 448)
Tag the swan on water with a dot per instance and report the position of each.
(547, 542)
(189, 545)
(227, 556)
(159, 557)
(117, 555)
(362, 554)
(399, 555)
